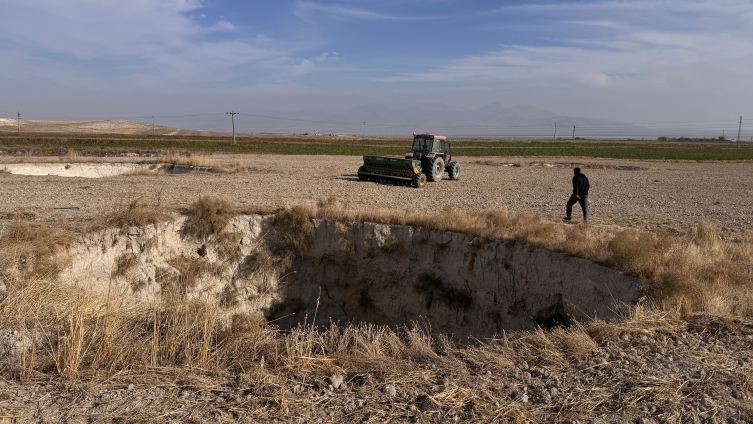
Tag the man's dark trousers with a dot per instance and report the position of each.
(583, 205)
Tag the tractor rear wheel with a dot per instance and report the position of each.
(436, 169)
(419, 180)
(454, 171)
(361, 175)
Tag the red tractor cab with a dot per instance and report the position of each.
(435, 153)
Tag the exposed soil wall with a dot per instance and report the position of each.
(375, 273)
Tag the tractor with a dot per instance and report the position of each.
(430, 158)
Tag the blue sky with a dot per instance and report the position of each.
(634, 61)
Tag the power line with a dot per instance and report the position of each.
(232, 117)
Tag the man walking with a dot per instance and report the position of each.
(580, 195)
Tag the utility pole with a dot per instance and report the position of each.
(19, 121)
(724, 137)
(573, 132)
(555, 131)
(364, 130)
(153, 129)
(740, 127)
(232, 117)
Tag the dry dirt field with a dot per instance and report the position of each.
(640, 194)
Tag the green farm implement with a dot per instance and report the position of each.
(430, 158)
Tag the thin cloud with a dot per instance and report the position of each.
(304, 10)
(690, 52)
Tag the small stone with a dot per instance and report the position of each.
(554, 392)
(643, 338)
(297, 389)
(523, 365)
(526, 375)
(131, 386)
(389, 390)
(336, 380)
(524, 398)
(413, 408)
(645, 421)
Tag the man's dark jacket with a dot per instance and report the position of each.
(580, 185)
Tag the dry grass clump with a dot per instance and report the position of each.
(293, 229)
(228, 246)
(189, 271)
(34, 250)
(123, 264)
(263, 262)
(23, 216)
(188, 160)
(134, 214)
(207, 216)
(4, 170)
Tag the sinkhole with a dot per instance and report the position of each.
(355, 273)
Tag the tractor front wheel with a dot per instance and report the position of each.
(454, 171)
(419, 180)
(436, 169)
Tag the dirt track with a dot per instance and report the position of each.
(643, 194)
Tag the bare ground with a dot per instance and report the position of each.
(643, 194)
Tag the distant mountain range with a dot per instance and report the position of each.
(402, 119)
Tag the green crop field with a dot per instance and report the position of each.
(315, 145)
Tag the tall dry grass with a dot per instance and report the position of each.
(208, 216)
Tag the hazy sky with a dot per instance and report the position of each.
(634, 61)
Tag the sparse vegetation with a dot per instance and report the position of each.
(293, 228)
(134, 214)
(189, 269)
(35, 250)
(228, 246)
(207, 216)
(123, 264)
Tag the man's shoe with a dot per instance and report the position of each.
(567, 218)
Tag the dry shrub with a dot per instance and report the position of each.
(573, 342)
(293, 229)
(207, 216)
(135, 214)
(639, 253)
(189, 271)
(228, 246)
(22, 216)
(35, 250)
(228, 298)
(123, 264)
(263, 262)
(189, 160)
